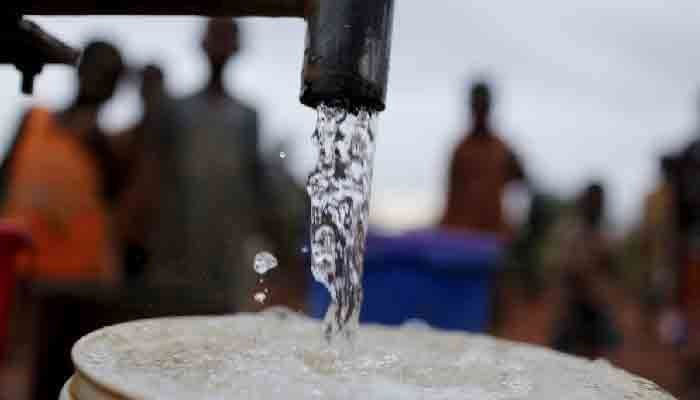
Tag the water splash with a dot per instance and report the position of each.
(339, 188)
(264, 261)
(260, 297)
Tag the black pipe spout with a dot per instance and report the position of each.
(346, 60)
(29, 48)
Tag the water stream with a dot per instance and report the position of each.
(339, 188)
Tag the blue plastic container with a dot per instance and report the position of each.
(442, 278)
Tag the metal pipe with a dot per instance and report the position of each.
(29, 48)
(218, 8)
(346, 60)
(348, 42)
(29, 40)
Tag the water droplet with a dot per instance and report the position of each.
(264, 261)
(283, 154)
(260, 297)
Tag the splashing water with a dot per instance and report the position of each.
(260, 297)
(264, 261)
(339, 188)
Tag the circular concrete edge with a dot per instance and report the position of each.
(85, 385)
(80, 388)
(82, 385)
(65, 391)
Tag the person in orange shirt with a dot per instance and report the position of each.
(60, 177)
(481, 167)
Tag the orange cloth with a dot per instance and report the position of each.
(55, 190)
(481, 167)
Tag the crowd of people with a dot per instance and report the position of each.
(183, 191)
(181, 202)
(568, 282)
(173, 210)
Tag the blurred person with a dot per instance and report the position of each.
(583, 255)
(220, 211)
(482, 166)
(685, 318)
(583, 244)
(61, 178)
(681, 322)
(525, 259)
(148, 151)
(525, 286)
(688, 189)
(659, 236)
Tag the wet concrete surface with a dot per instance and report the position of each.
(523, 318)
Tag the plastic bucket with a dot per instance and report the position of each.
(442, 278)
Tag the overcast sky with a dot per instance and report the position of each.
(584, 89)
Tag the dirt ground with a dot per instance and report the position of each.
(532, 320)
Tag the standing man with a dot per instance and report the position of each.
(60, 182)
(219, 208)
(147, 151)
(583, 255)
(482, 166)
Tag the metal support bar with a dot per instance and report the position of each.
(347, 52)
(29, 48)
(213, 8)
(25, 45)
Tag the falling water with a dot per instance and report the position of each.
(264, 261)
(339, 188)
